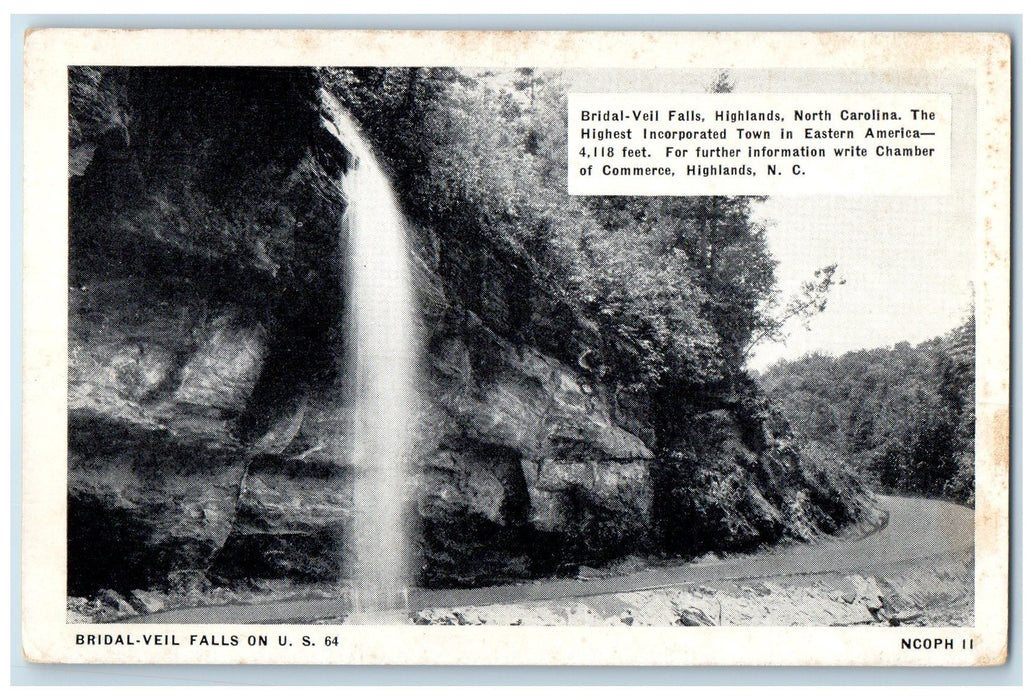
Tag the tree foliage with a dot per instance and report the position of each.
(904, 414)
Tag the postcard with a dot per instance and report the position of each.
(365, 347)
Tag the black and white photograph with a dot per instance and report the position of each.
(371, 347)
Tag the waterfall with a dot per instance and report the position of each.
(380, 329)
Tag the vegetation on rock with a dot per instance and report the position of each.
(659, 298)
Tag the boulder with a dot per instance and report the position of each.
(142, 503)
(147, 602)
(489, 390)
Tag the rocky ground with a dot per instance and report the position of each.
(191, 592)
(938, 596)
(921, 594)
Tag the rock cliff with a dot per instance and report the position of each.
(206, 435)
(204, 389)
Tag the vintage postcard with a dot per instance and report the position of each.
(584, 348)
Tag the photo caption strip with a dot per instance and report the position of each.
(754, 144)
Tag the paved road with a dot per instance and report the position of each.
(916, 530)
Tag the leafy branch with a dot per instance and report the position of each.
(808, 303)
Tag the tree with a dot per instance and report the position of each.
(904, 414)
(810, 301)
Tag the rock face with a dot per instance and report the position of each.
(156, 385)
(206, 430)
(515, 451)
(513, 445)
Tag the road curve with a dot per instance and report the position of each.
(916, 530)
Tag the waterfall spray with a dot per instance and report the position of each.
(381, 331)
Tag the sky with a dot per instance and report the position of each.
(908, 261)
